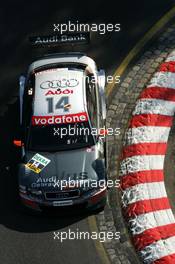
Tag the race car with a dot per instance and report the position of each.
(63, 141)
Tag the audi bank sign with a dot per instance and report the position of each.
(62, 83)
(67, 38)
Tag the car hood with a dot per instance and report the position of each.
(81, 164)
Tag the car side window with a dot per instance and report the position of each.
(27, 103)
(91, 98)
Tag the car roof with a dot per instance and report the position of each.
(65, 86)
(60, 90)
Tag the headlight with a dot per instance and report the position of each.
(35, 192)
(94, 191)
(22, 189)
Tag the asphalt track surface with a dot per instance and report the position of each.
(25, 238)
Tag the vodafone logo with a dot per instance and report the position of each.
(64, 119)
(62, 83)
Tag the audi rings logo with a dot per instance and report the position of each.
(55, 84)
(62, 195)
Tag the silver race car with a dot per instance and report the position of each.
(63, 142)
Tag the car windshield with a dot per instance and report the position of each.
(60, 137)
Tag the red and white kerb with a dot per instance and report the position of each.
(144, 197)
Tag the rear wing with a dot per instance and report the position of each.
(60, 39)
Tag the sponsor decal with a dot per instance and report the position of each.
(62, 83)
(57, 92)
(83, 38)
(64, 180)
(37, 163)
(64, 119)
(67, 106)
(44, 182)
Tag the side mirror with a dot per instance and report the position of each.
(17, 143)
(101, 80)
(22, 80)
(18, 140)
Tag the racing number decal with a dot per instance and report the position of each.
(37, 163)
(63, 103)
